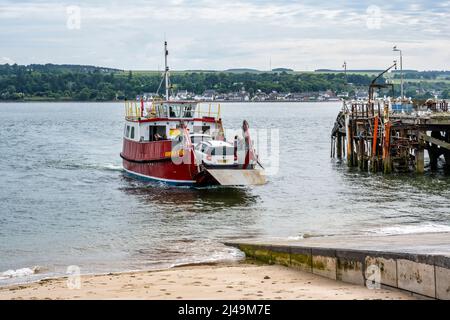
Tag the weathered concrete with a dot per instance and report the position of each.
(324, 266)
(386, 267)
(416, 277)
(417, 263)
(350, 266)
(442, 283)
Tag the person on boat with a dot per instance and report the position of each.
(171, 112)
(157, 137)
(235, 146)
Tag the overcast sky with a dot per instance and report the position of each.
(206, 34)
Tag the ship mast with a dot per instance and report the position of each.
(166, 73)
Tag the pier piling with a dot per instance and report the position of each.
(377, 137)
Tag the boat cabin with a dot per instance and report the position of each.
(162, 120)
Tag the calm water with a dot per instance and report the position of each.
(65, 201)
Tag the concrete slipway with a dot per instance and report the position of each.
(416, 263)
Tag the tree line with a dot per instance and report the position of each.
(87, 83)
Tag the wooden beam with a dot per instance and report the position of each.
(435, 141)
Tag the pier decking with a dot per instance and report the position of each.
(415, 263)
(380, 136)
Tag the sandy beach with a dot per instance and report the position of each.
(223, 281)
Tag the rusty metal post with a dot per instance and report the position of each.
(350, 144)
(374, 154)
(387, 163)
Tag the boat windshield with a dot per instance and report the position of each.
(199, 138)
(221, 151)
(181, 110)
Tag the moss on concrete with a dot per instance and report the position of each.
(264, 256)
(248, 250)
(282, 258)
(303, 261)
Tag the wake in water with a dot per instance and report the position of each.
(81, 166)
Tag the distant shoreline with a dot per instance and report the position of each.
(122, 101)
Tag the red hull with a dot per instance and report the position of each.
(152, 161)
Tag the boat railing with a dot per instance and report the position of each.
(365, 109)
(135, 110)
(141, 109)
(210, 111)
(437, 106)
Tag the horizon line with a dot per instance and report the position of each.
(241, 69)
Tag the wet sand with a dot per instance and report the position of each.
(231, 281)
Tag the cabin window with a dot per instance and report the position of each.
(128, 132)
(157, 133)
(175, 111)
(132, 133)
(162, 111)
(188, 111)
(222, 151)
(205, 129)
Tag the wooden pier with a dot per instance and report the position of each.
(374, 137)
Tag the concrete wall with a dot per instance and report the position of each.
(423, 275)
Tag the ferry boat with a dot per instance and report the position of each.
(183, 143)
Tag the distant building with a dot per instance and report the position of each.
(148, 96)
(361, 94)
(238, 96)
(343, 95)
(220, 97)
(260, 96)
(209, 95)
(183, 95)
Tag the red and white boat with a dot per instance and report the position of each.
(183, 143)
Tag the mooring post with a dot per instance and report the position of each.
(349, 144)
(332, 148)
(361, 153)
(343, 146)
(366, 156)
(433, 151)
(354, 145)
(420, 159)
(339, 146)
(387, 163)
(374, 154)
(419, 153)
